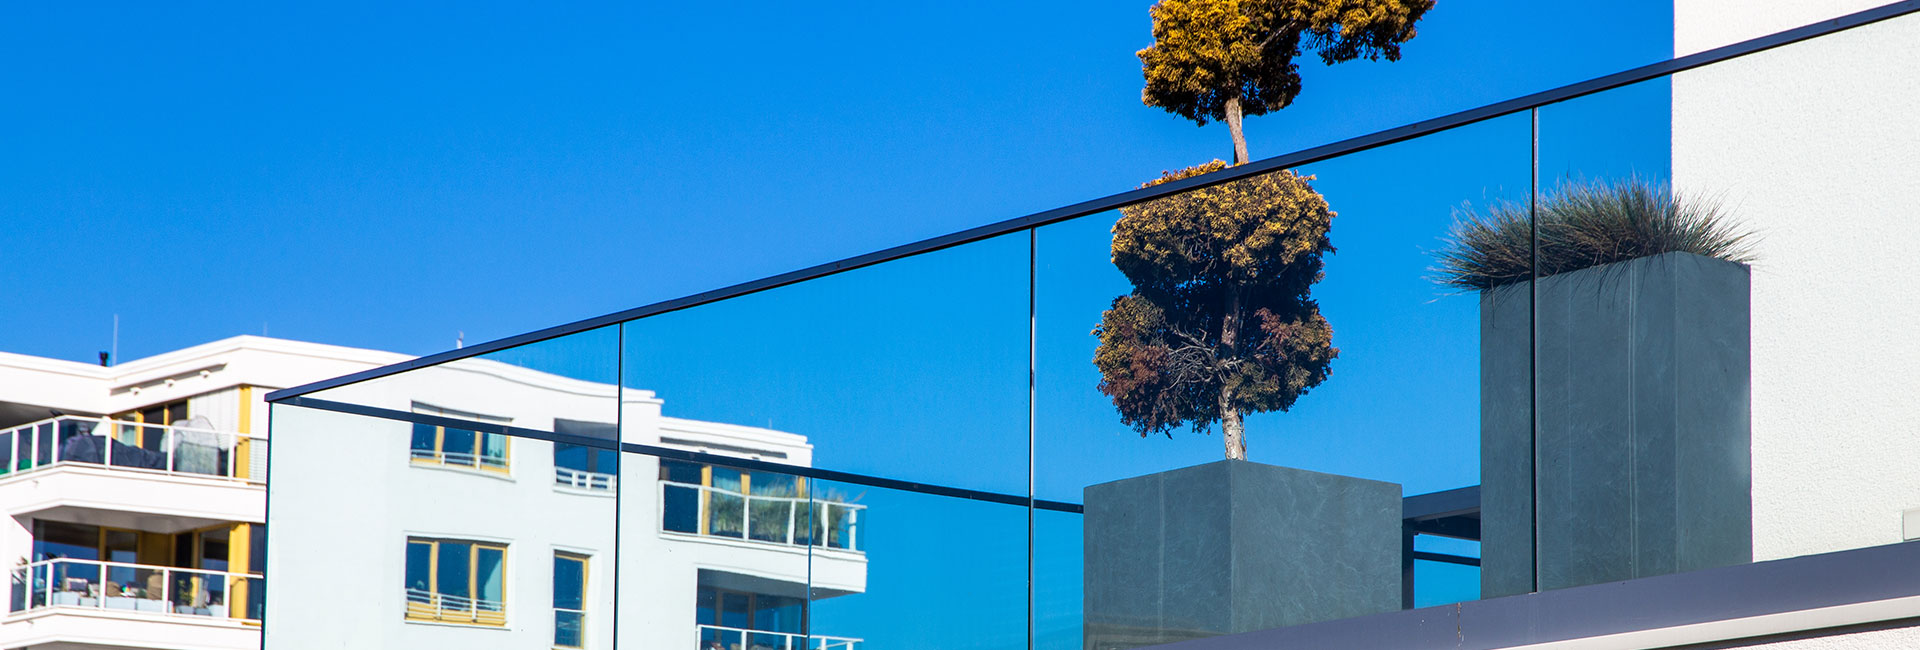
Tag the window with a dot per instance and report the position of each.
(438, 445)
(149, 438)
(456, 581)
(743, 619)
(583, 467)
(569, 600)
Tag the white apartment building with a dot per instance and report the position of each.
(135, 494)
(429, 534)
(138, 512)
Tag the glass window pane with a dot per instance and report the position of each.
(457, 446)
(569, 582)
(455, 563)
(419, 570)
(493, 450)
(425, 438)
(490, 567)
(59, 539)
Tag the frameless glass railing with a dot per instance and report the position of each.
(183, 451)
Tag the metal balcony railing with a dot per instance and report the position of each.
(180, 451)
(717, 637)
(719, 512)
(423, 605)
(584, 480)
(158, 590)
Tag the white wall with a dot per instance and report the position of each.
(1816, 147)
(345, 497)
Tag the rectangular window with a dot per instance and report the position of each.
(569, 600)
(439, 445)
(456, 581)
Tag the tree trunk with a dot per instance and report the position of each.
(1239, 137)
(1231, 428)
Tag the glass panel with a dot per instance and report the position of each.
(1356, 374)
(1609, 449)
(725, 555)
(569, 575)
(453, 563)
(906, 569)
(59, 539)
(913, 369)
(454, 547)
(419, 571)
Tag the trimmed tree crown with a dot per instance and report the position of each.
(1220, 318)
(1207, 52)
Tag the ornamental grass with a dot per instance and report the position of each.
(1584, 225)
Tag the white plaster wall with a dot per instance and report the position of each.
(1700, 25)
(345, 497)
(1817, 148)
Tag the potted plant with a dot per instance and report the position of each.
(1640, 317)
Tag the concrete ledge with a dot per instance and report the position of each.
(1831, 590)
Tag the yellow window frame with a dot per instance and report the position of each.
(585, 568)
(417, 611)
(480, 461)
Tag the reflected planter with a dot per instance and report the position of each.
(1641, 464)
(1235, 546)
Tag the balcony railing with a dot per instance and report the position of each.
(181, 451)
(423, 605)
(718, 512)
(584, 480)
(159, 590)
(716, 637)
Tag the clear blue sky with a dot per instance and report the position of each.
(383, 178)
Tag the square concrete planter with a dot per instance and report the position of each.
(1642, 462)
(1234, 546)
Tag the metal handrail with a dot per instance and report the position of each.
(478, 610)
(787, 536)
(787, 640)
(94, 584)
(184, 451)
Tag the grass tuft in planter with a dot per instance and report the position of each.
(1583, 225)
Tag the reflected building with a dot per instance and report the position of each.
(489, 521)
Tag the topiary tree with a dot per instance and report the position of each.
(1221, 59)
(1220, 322)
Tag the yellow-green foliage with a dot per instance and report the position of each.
(1206, 52)
(1221, 309)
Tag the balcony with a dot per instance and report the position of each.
(424, 605)
(133, 447)
(715, 637)
(138, 588)
(135, 476)
(773, 519)
(584, 480)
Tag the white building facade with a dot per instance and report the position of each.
(135, 494)
(448, 537)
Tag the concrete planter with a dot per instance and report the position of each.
(1642, 462)
(1234, 546)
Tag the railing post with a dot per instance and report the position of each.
(34, 459)
(853, 528)
(746, 514)
(173, 452)
(107, 441)
(793, 517)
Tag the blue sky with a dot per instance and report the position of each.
(386, 177)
